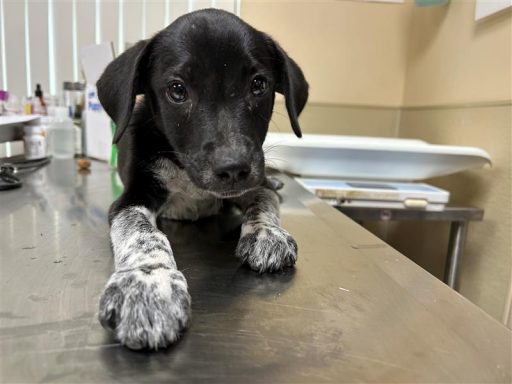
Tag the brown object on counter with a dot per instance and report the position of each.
(83, 164)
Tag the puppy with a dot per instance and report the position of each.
(192, 144)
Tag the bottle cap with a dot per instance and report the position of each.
(39, 91)
(77, 86)
(67, 85)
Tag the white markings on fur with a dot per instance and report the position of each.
(136, 241)
(146, 301)
(146, 310)
(181, 207)
(263, 244)
(186, 201)
(248, 228)
(262, 220)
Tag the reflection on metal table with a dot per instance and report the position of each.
(459, 218)
(352, 310)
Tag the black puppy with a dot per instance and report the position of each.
(192, 143)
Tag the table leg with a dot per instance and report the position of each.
(458, 231)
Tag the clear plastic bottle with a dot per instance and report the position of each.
(62, 134)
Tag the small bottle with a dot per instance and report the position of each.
(79, 99)
(39, 102)
(62, 134)
(29, 106)
(35, 142)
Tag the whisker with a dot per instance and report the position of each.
(270, 147)
(275, 162)
(275, 125)
(279, 113)
(282, 159)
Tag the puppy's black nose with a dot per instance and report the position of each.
(232, 170)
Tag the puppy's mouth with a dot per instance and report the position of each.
(213, 188)
(229, 194)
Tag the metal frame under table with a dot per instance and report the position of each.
(459, 217)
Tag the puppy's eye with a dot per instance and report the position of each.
(259, 86)
(176, 92)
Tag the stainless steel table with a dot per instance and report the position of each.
(459, 218)
(353, 310)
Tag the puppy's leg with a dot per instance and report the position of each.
(263, 244)
(146, 301)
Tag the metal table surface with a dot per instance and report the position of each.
(353, 309)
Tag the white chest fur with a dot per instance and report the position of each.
(186, 201)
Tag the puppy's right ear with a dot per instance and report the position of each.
(120, 83)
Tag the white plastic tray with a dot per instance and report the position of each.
(371, 158)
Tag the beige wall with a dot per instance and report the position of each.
(485, 271)
(355, 87)
(339, 119)
(351, 52)
(370, 65)
(453, 59)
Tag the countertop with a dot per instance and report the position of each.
(353, 309)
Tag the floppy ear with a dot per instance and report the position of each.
(292, 84)
(120, 83)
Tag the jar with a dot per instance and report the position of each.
(35, 142)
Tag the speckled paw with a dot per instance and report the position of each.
(267, 248)
(146, 308)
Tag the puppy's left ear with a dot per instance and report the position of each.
(292, 84)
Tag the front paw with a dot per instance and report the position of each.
(266, 248)
(146, 307)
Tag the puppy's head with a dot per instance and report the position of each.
(209, 79)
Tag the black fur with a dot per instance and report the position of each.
(181, 157)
